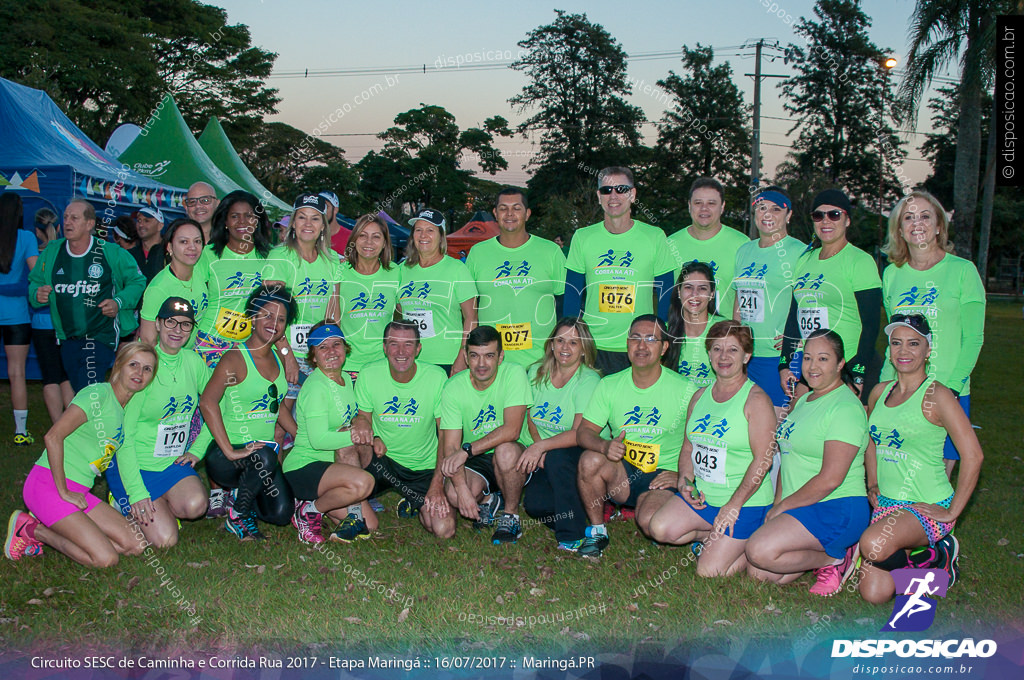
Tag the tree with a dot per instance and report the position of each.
(280, 155)
(577, 91)
(422, 160)
(838, 96)
(109, 62)
(940, 31)
(705, 133)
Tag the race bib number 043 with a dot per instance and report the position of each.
(616, 298)
(642, 455)
(709, 462)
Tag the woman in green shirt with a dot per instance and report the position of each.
(152, 476)
(821, 506)
(180, 278)
(241, 406)
(322, 467)
(368, 291)
(915, 506)
(79, 447)
(691, 313)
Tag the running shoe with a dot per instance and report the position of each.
(405, 509)
(849, 564)
(24, 439)
(309, 525)
(244, 527)
(507, 529)
(488, 510)
(593, 545)
(697, 547)
(827, 581)
(350, 529)
(376, 505)
(218, 504)
(18, 543)
(947, 553)
(570, 546)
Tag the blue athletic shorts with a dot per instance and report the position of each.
(157, 483)
(764, 371)
(837, 524)
(949, 451)
(750, 519)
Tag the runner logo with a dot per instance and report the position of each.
(914, 610)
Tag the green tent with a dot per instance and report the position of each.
(220, 150)
(165, 150)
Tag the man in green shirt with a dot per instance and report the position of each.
(617, 269)
(708, 240)
(645, 409)
(92, 288)
(399, 413)
(520, 279)
(482, 413)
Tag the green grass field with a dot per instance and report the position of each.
(468, 596)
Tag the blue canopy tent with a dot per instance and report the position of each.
(48, 161)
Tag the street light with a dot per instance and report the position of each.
(887, 64)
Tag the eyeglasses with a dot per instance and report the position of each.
(201, 200)
(619, 189)
(649, 339)
(833, 215)
(915, 321)
(186, 326)
(272, 393)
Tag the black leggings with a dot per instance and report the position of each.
(552, 495)
(259, 480)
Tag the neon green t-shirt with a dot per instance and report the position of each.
(721, 452)
(824, 293)
(88, 450)
(719, 252)
(404, 415)
(432, 297)
(620, 270)
(157, 419)
(231, 280)
(477, 413)
(554, 408)
(517, 288)
(651, 417)
(694, 364)
(311, 285)
(323, 406)
(837, 416)
(367, 306)
(763, 284)
(165, 285)
(952, 297)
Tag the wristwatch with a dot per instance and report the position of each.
(284, 351)
(468, 448)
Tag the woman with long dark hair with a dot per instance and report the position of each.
(691, 313)
(183, 245)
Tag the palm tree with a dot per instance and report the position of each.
(940, 31)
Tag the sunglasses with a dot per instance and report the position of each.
(619, 189)
(833, 215)
(915, 321)
(272, 393)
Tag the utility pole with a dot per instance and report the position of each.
(755, 152)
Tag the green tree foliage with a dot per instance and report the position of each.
(110, 62)
(280, 156)
(424, 157)
(838, 97)
(577, 91)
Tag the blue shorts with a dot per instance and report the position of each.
(949, 451)
(750, 520)
(157, 483)
(837, 524)
(764, 371)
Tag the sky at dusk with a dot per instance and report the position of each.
(453, 54)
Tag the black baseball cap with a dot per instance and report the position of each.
(314, 201)
(430, 215)
(176, 306)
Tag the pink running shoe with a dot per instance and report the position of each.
(828, 581)
(18, 543)
(309, 525)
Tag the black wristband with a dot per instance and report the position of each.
(468, 448)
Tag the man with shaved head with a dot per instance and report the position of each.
(200, 202)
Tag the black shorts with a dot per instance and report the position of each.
(48, 356)
(387, 474)
(639, 482)
(483, 465)
(305, 481)
(17, 334)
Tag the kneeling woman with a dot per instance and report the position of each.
(821, 506)
(152, 475)
(79, 447)
(241, 404)
(724, 461)
(320, 467)
(914, 503)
